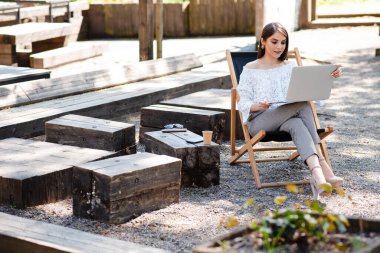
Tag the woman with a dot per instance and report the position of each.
(267, 79)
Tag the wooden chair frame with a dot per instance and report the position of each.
(237, 153)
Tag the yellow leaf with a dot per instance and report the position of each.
(292, 188)
(249, 202)
(279, 200)
(232, 222)
(326, 187)
(340, 191)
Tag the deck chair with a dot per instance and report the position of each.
(236, 61)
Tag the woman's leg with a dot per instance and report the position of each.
(335, 181)
(271, 120)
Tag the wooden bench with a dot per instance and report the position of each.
(36, 37)
(87, 132)
(154, 118)
(71, 53)
(35, 172)
(210, 99)
(118, 189)
(200, 162)
(24, 235)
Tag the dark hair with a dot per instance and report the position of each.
(268, 31)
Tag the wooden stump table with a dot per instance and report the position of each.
(90, 132)
(154, 118)
(200, 162)
(118, 189)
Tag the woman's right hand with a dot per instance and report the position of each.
(262, 105)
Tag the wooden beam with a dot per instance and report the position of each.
(146, 29)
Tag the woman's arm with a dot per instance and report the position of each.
(246, 103)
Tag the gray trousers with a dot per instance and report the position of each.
(296, 119)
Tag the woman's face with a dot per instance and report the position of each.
(274, 45)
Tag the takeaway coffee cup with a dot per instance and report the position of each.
(207, 136)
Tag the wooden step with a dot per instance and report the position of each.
(71, 53)
(74, 83)
(29, 120)
(24, 235)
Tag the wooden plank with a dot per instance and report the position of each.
(10, 74)
(195, 120)
(30, 32)
(71, 53)
(211, 99)
(24, 235)
(118, 189)
(35, 172)
(200, 162)
(89, 132)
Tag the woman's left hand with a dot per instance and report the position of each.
(337, 72)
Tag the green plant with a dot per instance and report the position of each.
(286, 228)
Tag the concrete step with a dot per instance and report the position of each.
(343, 21)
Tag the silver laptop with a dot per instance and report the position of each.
(310, 83)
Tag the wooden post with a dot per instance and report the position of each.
(159, 27)
(259, 20)
(146, 29)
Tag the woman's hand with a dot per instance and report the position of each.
(262, 105)
(337, 72)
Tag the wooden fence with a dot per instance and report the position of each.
(200, 17)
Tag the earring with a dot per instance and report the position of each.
(262, 46)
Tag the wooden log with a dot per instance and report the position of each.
(195, 120)
(35, 172)
(118, 189)
(87, 132)
(25, 235)
(64, 55)
(200, 162)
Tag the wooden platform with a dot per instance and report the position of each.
(23, 235)
(10, 74)
(211, 99)
(36, 172)
(29, 120)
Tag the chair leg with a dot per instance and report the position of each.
(243, 149)
(251, 154)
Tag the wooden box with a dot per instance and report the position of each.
(200, 162)
(155, 117)
(118, 189)
(90, 132)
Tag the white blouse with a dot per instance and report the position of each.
(256, 85)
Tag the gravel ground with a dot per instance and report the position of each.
(353, 111)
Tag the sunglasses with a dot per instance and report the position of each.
(172, 126)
